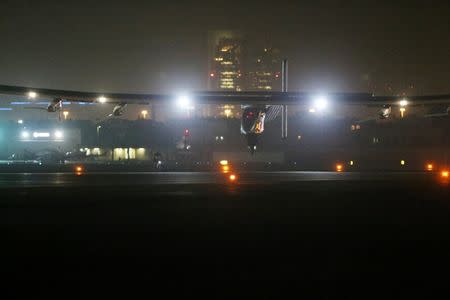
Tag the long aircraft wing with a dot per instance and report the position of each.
(231, 97)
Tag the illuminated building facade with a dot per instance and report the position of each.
(226, 61)
(265, 74)
(226, 69)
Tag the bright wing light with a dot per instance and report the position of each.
(184, 102)
(32, 95)
(58, 134)
(321, 102)
(403, 103)
(102, 99)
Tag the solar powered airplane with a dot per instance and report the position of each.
(258, 107)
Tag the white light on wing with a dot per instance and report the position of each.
(184, 102)
(58, 134)
(102, 99)
(321, 102)
(32, 95)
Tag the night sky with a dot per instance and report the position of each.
(161, 46)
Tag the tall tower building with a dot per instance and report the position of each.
(226, 65)
(226, 61)
(265, 74)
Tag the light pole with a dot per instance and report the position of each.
(98, 133)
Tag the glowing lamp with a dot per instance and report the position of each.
(403, 103)
(32, 95)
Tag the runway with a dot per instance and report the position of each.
(196, 230)
(23, 180)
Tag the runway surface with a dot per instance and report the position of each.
(12, 180)
(268, 236)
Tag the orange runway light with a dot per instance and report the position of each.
(233, 177)
(444, 174)
(430, 167)
(339, 168)
(225, 168)
(79, 169)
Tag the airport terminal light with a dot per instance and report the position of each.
(32, 95)
(41, 134)
(20, 121)
(144, 114)
(25, 134)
